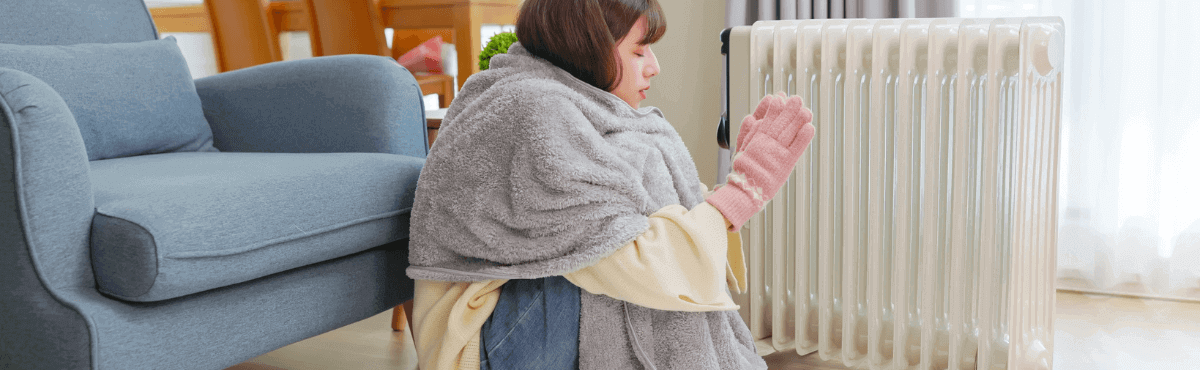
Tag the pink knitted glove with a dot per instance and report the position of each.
(767, 152)
(747, 130)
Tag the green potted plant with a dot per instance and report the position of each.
(498, 44)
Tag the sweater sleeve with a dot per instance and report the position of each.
(682, 263)
(446, 321)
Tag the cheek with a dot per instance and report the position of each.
(634, 71)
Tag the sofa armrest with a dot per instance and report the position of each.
(344, 103)
(46, 207)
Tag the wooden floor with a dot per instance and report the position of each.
(365, 345)
(1091, 332)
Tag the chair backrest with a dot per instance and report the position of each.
(346, 27)
(242, 33)
(67, 22)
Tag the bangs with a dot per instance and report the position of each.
(656, 24)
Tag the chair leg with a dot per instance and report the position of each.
(399, 319)
(408, 311)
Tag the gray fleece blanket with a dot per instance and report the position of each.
(536, 173)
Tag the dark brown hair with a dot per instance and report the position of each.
(579, 35)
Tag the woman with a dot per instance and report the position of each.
(559, 225)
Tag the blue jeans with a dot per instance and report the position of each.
(535, 326)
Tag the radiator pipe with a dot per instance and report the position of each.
(724, 164)
(723, 127)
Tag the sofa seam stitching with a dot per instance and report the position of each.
(277, 241)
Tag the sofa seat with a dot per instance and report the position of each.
(168, 225)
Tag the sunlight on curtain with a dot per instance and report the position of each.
(1129, 186)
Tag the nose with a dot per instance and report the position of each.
(651, 69)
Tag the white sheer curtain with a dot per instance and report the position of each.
(1129, 186)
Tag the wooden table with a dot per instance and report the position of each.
(186, 18)
(443, 85)
(433, 121)
(463, 16)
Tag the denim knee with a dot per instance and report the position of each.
(535, 326)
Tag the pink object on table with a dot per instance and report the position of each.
(426, 57)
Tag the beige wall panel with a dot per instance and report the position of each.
(688, 90)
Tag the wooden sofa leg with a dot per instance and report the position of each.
(399, 319)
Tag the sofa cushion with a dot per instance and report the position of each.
(168, 225)
(128, 98)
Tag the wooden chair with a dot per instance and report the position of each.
(242, 33)
(356, 27)
(346, 27)
(463, 18)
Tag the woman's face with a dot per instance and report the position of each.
(638, 65)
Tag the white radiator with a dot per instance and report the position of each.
(918, 230)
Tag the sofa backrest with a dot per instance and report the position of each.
(67, 22)
(130, 93)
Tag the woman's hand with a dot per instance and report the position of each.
(769, 143)
(747, 130)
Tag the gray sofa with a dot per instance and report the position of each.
(149, 221)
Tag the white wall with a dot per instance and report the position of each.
(688, 89)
